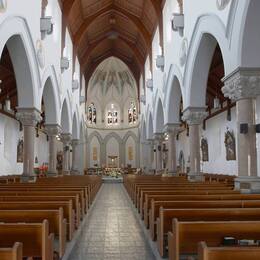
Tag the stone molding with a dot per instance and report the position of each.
(53, 130)
(66, 138)
(171, 128)
(75, 142)
(222, 4)
(242, 83)
(194, 115)
(158, 137)
(28, 116)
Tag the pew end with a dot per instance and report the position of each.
(14, 253)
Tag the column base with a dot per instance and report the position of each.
(195, 177)
(66, 172)
(248, 184)
(75, 172)
(28, 178)
(52, 174)
(172, 173)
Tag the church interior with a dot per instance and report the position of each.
(129, 130)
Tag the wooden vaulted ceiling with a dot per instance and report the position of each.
(120, 28)
(216, 73)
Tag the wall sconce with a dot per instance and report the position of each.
(64, 63)
(160, 62)
(143, 99)
(243, 128)
(257, 128)
(178, 23)
(82, 99)
(149, 84)
(75, 84)
(46, 25)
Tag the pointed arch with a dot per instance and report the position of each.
(50, 97)
(66, 124)
(158, 116)
(15, 34)
(174, 95)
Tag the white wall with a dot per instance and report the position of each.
(215, 134)
(130, 143)
(9, 137)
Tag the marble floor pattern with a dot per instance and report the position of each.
(112, 230)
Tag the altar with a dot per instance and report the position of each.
(112, 161)
(112, 175)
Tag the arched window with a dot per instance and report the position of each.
(92, 114)
(112, 115)
(132, 114)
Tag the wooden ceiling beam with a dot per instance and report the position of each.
(85, 57)
(67, 6)
(158, 10)
(108, 9)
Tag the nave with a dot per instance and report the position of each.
(112, 230)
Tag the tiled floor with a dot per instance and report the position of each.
(112, 231)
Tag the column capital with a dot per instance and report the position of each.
(65, 138)
(242, 83)
(53, 129)
(28, 116)
(194, 115)
(158, 136)
(171, 128)
(75, 142)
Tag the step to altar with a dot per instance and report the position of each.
(107, 179)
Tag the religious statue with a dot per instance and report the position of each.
(230, 144)
(204, 149)
(59, 160)
(20, 151)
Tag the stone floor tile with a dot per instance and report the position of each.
(112, 230)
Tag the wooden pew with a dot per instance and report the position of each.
(188, 188)
(29, 197)
(185, 236)
(164, 222)
(35, 237)
(189, 191)
(12, 253)
(228, 252)
(56, 220)
(152, 198)
(69, 213)
(49, 192)
(168, 205)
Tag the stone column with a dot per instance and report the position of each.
(74, 144)
(52, 132)
(172, 130)
(242, 86)
(194, 116)
(66, 138)
(150, 149)
(158, 143)
(29, 117)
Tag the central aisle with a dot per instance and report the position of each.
(112, 230)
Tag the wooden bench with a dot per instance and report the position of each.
(29, 197)
(56, 220)
(185, 236)
(151, 198)
(167, 206)
(69, 213)
(228, 252)
(49, 192)
(35, 237)
(12, 253)
(190, 191)
(209, 189)
(164, 223)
